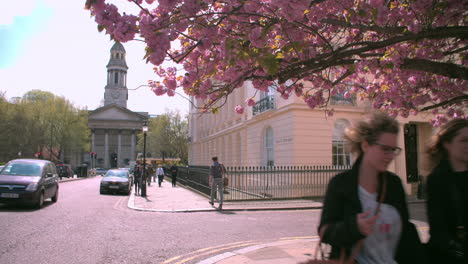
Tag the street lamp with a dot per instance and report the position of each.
(143, 183)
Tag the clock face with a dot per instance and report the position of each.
(115, 94)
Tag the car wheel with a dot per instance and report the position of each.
(55, 197)
(40, 201)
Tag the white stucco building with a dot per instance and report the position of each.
(287, 132)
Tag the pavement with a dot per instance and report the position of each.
(168, 199)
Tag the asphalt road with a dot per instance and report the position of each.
(85, 227)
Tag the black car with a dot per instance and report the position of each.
(28, 181)
(115, 181)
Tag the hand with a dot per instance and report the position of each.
(366, 223)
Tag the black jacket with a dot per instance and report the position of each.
(342, 205)
(443, 208)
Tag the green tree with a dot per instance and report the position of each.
(167, 136)
(39, 122)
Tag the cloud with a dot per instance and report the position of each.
(18, 25)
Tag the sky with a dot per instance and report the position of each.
(54, 45)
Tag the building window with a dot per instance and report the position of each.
(269, 147)
(116, 77)
(340, 153)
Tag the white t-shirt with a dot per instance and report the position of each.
(379, 247)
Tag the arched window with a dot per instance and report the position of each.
(340, 153)
(116, 77)
(269, 147)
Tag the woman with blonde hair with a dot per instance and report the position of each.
(447, 190)
(353, 218)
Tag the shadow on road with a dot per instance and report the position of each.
(22, 208)
(226, 212)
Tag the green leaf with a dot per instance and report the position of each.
(270, 64)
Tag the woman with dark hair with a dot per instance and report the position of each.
(349, 217)
(447, 190)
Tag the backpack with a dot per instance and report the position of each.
(218, 170)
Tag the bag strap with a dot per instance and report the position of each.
(360, 243)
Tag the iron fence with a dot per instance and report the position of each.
(264, 183)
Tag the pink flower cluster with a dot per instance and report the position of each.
(383, 51)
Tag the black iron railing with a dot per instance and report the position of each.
(264, 104)
(264, 183)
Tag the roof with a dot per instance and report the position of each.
(31, 160)
(143, 115)
(118, 46)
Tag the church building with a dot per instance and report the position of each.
(113, 126)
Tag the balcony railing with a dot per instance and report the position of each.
(263, 105)
(341, 100)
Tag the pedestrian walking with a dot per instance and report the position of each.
(160, 173)
(365, 210)
(137, 175)
(447, 194)
(154, 175)
(174, 171)
(216, 181)
(149, 173)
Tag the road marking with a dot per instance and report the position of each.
(206, 251)
(118, 205)
(213, 251)
(298, 238)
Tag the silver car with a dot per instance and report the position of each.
(115, 181)
(28, 181)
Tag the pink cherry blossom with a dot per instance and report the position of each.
(239, 109)
(405, 57)
(250, 102)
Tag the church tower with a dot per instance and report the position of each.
(116, 89)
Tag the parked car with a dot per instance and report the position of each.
(29, 181)
(100, 171)
(1, 167)
(114, 181)
(64, 170)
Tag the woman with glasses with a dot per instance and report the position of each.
(447, 189)
(348, 219)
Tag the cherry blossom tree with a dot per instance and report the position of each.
(405, 56)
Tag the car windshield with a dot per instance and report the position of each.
(117, 173)
(22, 169)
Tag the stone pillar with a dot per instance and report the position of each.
(106, 149)
(132, 148)
(119, 149)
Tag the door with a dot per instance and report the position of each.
(411, 152)
(49, 182)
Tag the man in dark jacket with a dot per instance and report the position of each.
(174, 170)
(216, 181)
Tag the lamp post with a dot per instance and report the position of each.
(143, 182)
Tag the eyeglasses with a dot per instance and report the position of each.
(389, 149)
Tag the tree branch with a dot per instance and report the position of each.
(450, 70)
(458, 99)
